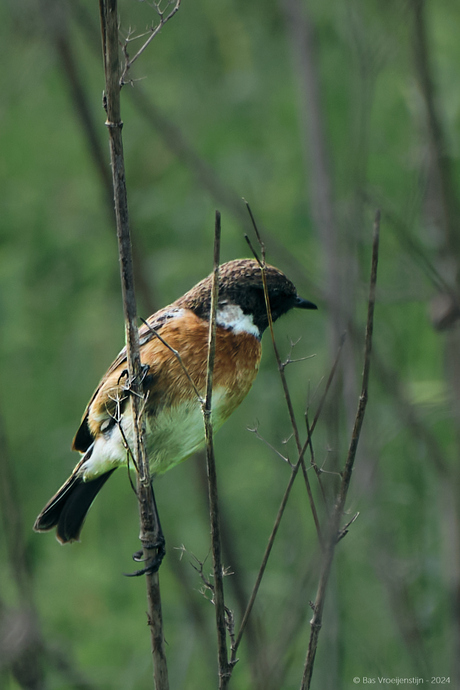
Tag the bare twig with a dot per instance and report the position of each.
(255, 430)
(318, 470)
(147, 508)
(333, 532)
(310, 429)
(344, 531)
(255, 637)
(151, 33)
(280, 513)
(204, 174)
(281, 368)
(265, 558)
(218, 589)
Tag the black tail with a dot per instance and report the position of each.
(68, 508)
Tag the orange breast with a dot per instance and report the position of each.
(236, 364)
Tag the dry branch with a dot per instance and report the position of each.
(216, 545)
(333, 533)
(150, 34)
(147, 508)
(281, 368)
(301, 449)
(280, 513)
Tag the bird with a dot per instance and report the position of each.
(173, 350)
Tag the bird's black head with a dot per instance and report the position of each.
(241, 285)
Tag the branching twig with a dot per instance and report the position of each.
(280, 513)
(209, 587)
(333, 532)
(281, 368)
(151, 33)
(147, 508)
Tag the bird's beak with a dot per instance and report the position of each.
(301, 303)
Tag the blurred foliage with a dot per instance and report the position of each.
(223, 75)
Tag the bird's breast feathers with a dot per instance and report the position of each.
(174, 420)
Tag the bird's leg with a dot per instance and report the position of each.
(155, 543)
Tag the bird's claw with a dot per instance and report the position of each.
(152, 562)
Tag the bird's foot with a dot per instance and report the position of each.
(153, 561)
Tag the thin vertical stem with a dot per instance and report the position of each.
(216, 545)
(280, 513)
(147, 508)
(281, 368)
(333, 529)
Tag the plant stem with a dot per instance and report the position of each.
(334, 524)
(147, 508)
(218, 598)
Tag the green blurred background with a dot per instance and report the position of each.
(317, 113)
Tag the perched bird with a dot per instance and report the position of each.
(174, 421)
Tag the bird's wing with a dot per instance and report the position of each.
(83, 438)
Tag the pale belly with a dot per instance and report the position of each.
(173, 435)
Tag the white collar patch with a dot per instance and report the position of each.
(232, 316)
